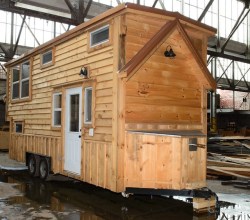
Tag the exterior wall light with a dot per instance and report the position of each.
(84, 72)
(169, 52)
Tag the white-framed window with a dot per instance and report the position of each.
(21, 81)
(57, 109)
(25, 79)
(88, 105)
(99, 36)
(47, 57)
(15, 82)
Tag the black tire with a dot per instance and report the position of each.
(43, 169)
(33, 165)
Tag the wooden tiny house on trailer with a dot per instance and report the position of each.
(133, 118)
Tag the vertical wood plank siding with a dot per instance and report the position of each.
(4, 139)
(163, 162)
(97, 166)
(43, 145)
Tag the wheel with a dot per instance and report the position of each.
(43, 168)
(33, 163)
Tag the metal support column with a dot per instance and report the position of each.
(213, 107)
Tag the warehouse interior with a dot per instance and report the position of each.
(27, 24)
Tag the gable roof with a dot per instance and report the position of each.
(112, 12)
(129, 69)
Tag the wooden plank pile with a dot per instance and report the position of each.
(230, 159)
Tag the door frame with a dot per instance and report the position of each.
(63, 127)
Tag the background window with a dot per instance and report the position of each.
(57, 109)
(88, 105)
(99, 36)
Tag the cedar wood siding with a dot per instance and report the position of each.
(164, 91)
(115, 98)
(41, 138)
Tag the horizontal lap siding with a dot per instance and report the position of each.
(69, 58)
(140, 29)
(38, 136)
(164, 91)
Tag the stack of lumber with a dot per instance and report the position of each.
(229, 159)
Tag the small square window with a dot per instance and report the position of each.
(47, 57)
(18, 126)
(99, 36)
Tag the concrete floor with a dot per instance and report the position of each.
(234, 202)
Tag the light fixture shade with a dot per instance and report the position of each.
(169, 53)
(84, 72)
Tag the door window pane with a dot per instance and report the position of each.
(74, 113)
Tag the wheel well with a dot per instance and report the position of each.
(48, 159)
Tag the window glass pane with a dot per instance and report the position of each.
(25, 88)
(57, 101)
(57, 104)
(25, 70)
(88, 105)
(74, 113)
(19, 128)
(100, 36)
(57, 118)
(15, 75)
(47, 57)
(15, 91)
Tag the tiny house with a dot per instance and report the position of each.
(118, 102)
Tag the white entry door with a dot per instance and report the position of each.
(72, 151)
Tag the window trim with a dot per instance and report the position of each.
(86, 105)
(50, 63)
(15, 124)
(102, 44)
(21, 81)
(96, 31)
(86, 85)
(55, 93)
(16, 82)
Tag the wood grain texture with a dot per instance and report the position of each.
(155, 161)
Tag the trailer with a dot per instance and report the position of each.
(119, 101)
